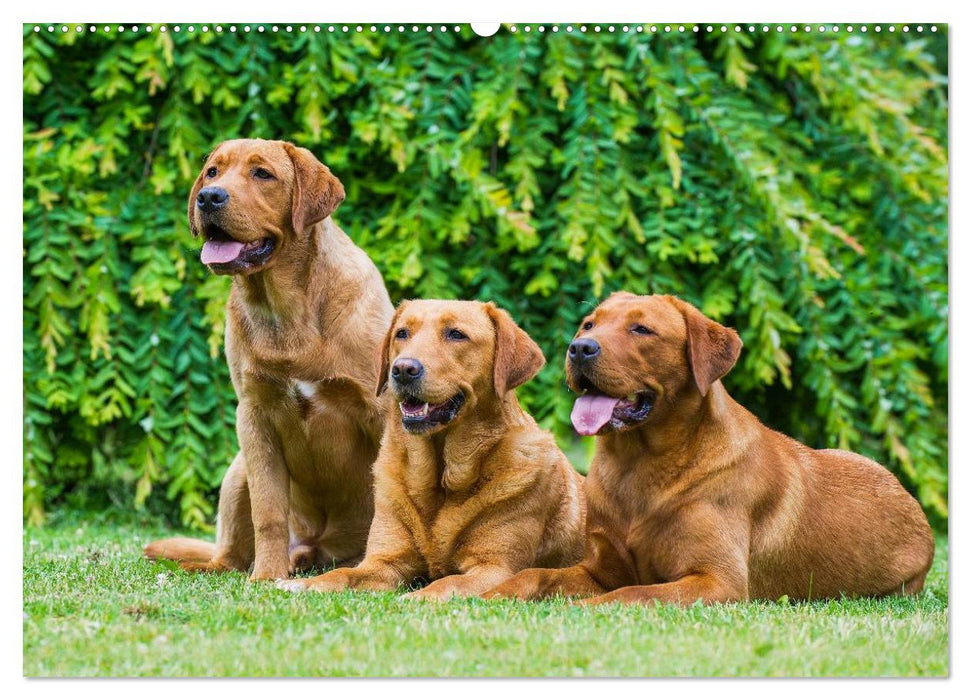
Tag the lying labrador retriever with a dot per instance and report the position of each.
(691, 498)
(468, 489)
(305, 317)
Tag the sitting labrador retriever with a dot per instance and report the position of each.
(691, 498)
(305, 317)
(468, 489)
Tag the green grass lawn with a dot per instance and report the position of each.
(94, 607)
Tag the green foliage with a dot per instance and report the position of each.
(792, 185)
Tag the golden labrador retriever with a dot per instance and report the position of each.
(305, 316)
(691, 498)
(468, 489)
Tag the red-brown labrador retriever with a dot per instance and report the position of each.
(305, 317)
(690, 497)
(468, 489)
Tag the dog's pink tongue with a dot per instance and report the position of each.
(591, 412)
(220, 251)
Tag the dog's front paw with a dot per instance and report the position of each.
(294, 585)
(331, 582)
(269, 574)
(429, 593)
(523, 586)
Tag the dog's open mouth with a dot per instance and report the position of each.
(594, 411)
(225, 255)
(418, 416)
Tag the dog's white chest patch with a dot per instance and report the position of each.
(304, 390)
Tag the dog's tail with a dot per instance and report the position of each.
(192, 555)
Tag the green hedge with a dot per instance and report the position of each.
(791, 184)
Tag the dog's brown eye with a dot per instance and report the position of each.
(455, 334)
(401, 334)
(641, 330)
(588, 325)
(262, 174)
(211, 172)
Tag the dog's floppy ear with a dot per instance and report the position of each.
(713, 349)
(193, 193)
(316, 191)
(518, 358)
(383, 362)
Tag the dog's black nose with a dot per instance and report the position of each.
(212, 198)
(406, 370)
(583, 349)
